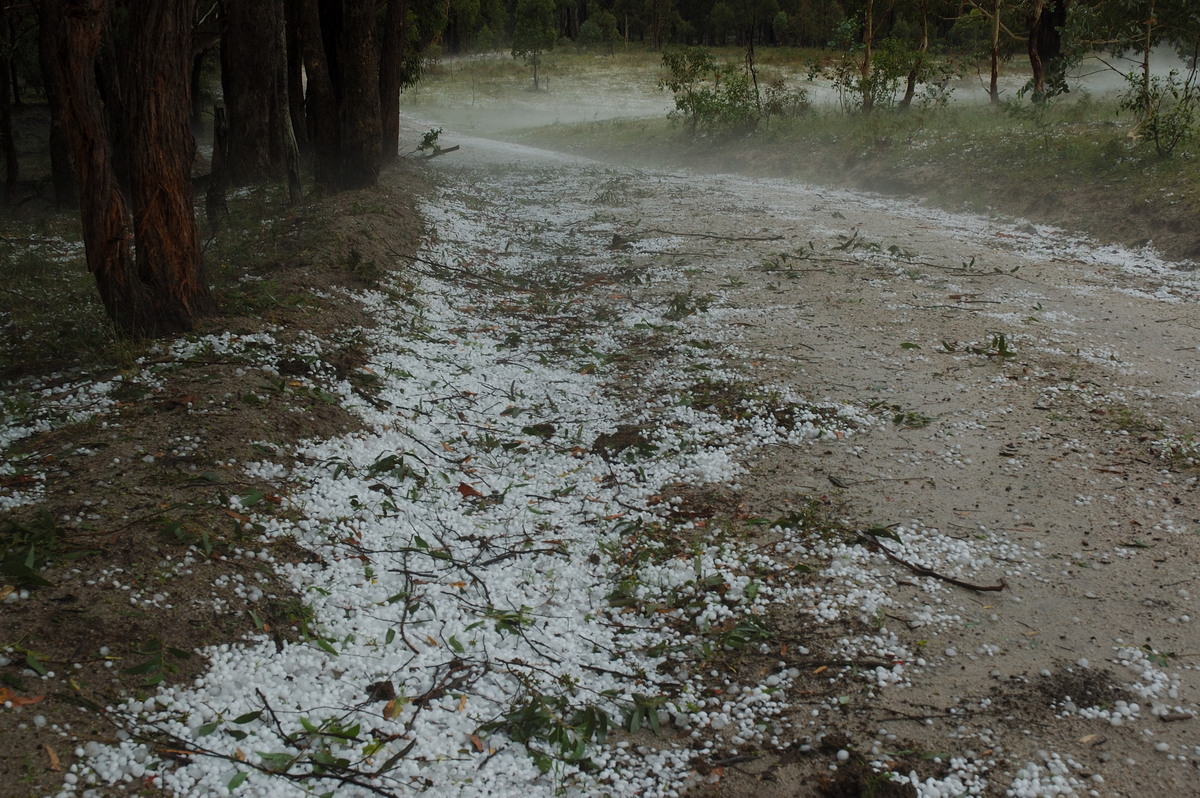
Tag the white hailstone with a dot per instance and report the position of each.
(843, 755)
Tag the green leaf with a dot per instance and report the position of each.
(252, 498)
(237, 780)
(249, 717)
(457, 646)
(35, 664)
(389, 637)
(208, 728)
(326, 647)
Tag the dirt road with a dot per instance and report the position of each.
(1031, 470)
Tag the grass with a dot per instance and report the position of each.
(1071, 163)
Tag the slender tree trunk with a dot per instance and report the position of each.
(107, 231)
(162, 151)
(994, 82)
(391, 64)
(865, 72)
(910, 88)
(7, 143)
(1045, 42)
(51, 43)
(216, 206)
(295, 75)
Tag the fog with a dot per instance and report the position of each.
(491, 94)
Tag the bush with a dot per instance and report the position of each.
(1168, 107)
(713, 95)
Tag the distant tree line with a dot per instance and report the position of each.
(315, 85)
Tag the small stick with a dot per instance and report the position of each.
(922, 571)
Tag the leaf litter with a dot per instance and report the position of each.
(498, 604)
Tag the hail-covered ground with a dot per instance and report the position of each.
(677, 482)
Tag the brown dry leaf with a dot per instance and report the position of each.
(55, 764)
(5, 591)
(467, 491)
(475, 741)
(8, 696)
(462, 703)
(821, 669)
(239, 755)
(392, 709)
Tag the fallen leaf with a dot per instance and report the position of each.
(821, 669)
(55, 764)
(393, 708)
(467, 491)
(462, 705)
(7, 696)
(475, 741)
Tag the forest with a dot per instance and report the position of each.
(128, 81)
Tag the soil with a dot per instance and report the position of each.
(136, 501)
(1037, 396)
(1036, 403)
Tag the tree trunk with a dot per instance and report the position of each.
(391, 64)
(107, 232)
(994, 82)
(7, 144)
(320, 105)
(295, 75)
(357, 90)
(51, 42)
(910, 89)
(215, 205)
(865, 76)
(168, 243)
(251, 37)
(1045, 42)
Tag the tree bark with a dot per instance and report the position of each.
(251, 49)
(866, 77)
(7, 143)
(994, 82)
(910, 88)
(320, 105)
(51, 41)
(162, 151)
(391, 64)
(295, 74)
(1045, 42)
(358, 95)
(107, 232)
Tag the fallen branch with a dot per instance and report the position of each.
(714, 236)
(920, 570)
(439, 151)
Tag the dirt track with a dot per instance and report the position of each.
(1036, 398)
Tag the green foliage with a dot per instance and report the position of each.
(551, 729)
(533, 33)
(714, 96)
(1167, 106)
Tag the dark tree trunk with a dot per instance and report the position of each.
(295, 74)
(197, 90)
(1045, 44)
(164, 221)
(51, 42)
(357, 90)
(994, 80)
(251, 37)
(110, 71)
(910, 88)
(7, 144)
(391, 65)
(215, 205)
(107, 231)
(320, 105)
